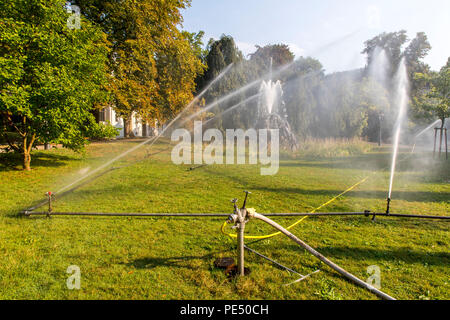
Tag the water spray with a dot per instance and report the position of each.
(153, 139)
(402, 97)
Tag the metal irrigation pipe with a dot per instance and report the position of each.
(30, 213)
(319, 214)
(322, 257)
(273, 261)
(366, 213)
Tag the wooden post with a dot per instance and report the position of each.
(440, 141)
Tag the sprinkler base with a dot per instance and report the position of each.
(233, 271)
(224, 263)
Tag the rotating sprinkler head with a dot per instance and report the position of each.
(245, 200)
(49, 194)
(234, 202)
(388, 205)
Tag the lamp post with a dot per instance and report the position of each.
(380, 118)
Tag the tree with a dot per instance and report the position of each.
(300, 83)
(152, 63)
(392, 44)
(342, 109)
(280, 54)
(414, 54)
(435, 100)
(51, 77)
(374, 99)
(178, 64)
(416, 51)
(196, 41)
(219, 54)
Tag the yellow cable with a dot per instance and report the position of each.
(232, 235)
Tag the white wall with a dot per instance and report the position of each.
(117, 122)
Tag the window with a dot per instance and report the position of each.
(101, 115)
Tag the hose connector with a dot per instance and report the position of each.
(250, 212)
(232, 218)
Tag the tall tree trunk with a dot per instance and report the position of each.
(27, 146)
(26, 155)
(127, 125)
(26, 161)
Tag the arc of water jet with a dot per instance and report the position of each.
(330, 44)
(403, 101)
(422, 132)
(215, 103)
(153, 139)
(427, 128)
(225, 71)
(240, 104)
(243, 89)
(271, 74)
(236, 92)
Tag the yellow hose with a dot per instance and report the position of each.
(233, 235)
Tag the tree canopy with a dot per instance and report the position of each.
(51, 77)
(434, 100)
(153, 65)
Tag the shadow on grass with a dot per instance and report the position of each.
(179, 262)
(424, 167)
(413, 196)
(370, 161)
(128, 187)
(399, 254)
(13, 161)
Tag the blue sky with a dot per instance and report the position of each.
(331, 30)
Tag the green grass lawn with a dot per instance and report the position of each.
(172, 258)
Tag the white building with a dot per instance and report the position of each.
(139, 129)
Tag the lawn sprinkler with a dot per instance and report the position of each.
(388, 200)
(241, 216)
(388, 207)
(49, 195)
